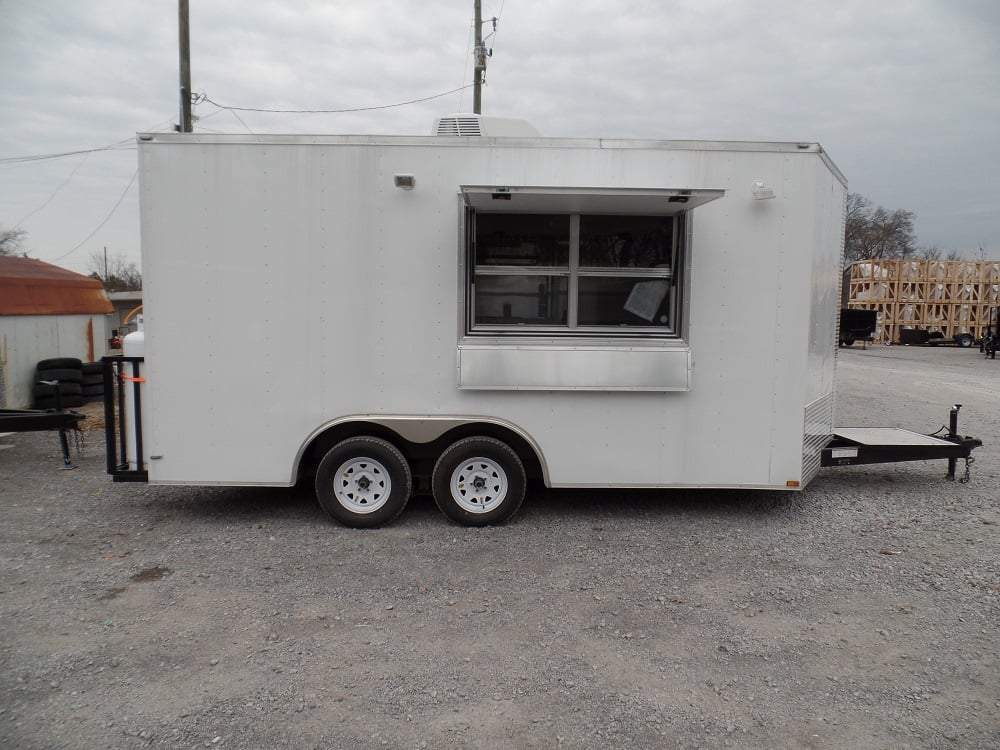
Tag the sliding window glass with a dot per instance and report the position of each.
(521, 270)
(625, 271)
(574, 273)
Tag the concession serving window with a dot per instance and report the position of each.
(577, 261)
(605, 266)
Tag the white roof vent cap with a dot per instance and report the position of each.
(489, 127)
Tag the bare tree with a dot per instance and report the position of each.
(117, 273)
(11, 241)
(929, 252)
(875, 232)
(934, 252)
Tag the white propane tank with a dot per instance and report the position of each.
(133, 345)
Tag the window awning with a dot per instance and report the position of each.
(563, 200)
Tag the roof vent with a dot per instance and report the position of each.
(457, 125)
(477, 125)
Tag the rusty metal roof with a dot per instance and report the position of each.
(33, 287)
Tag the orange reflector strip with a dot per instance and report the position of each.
(130, 379)
(791, 483)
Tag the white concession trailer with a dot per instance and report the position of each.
(470, 309)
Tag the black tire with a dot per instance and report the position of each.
(92, 380)
(479, 481)
(93, 390)
(63, 375)
(92, 368)
(66, 402)
(848, 342)
(59, 363)
(40, 390)
(964, 340)
(363, 482)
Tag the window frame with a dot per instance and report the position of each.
(578, 203)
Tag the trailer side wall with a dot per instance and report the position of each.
(336, 293)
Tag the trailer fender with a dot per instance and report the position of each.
(421, 438)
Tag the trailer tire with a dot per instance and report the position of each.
(479, 481)
(363, 482)
(92, 368)
(59, 363)
(964, 340)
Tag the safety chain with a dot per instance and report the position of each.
(969, 460)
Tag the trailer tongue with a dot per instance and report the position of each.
(880, 445)
(36, 420)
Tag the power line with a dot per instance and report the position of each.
(119, 146)
(106, 219)
(125, 144)
(233, 113)
(54, 192)
(332, 111)
(495, 32)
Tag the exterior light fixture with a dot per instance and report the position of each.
(405, 181)
(760, 191)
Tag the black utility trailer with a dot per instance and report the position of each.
(922, 337)
(38, 420)
(857, 325)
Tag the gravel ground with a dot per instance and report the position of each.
(859, 613)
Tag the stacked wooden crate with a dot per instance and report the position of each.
(952, 297)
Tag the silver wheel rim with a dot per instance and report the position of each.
(479, 485)
(362, 485)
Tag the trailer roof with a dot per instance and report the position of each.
(33, 287)
(800, 147)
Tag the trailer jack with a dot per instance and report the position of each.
(880, 445)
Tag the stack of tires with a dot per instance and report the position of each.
(64, 373)
(92, 382)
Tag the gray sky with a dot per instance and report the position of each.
(903, 95)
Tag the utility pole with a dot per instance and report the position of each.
(105, 264)
(480, 67)
(184, 38)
